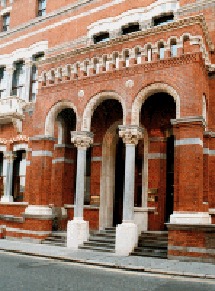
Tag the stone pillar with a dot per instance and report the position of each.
(188, 172)
(9, 156)
(78, 229)
(127, 232)
(28, 71)
(10, 70)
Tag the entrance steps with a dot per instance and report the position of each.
(57, 238)
(101, 241)
(152, 244)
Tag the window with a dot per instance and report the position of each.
(161, 51)
(105, 63)
(41, 7)
(162, 19)
(18, 87)
(19, 176)
(3, 168)
(96, 66)
(129, 28)
(126, 58)
(3, 83)
(149, 54)
(103, 36)
(6, 21)
(116, 60)
(173, 48)
(87, 68)
(138, 56)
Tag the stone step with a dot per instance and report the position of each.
(93, 244)
(98, 249)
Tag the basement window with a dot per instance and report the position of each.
(130, 27)
(163, 19)
(103, 36)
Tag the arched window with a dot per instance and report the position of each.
(161, 51)
(52, 76)
(101, 37)
(173, 48)
(130, 27)
(19, 77)
(68, 71)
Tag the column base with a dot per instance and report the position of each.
(7, 199)
(126, 238)
(77, 233)
(180, 217)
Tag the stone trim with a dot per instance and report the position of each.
(12, 218)
(192, 20)
(69, 146)
(36, 232)
(188, 141)
(211, 211)
(85, 206)
(28, 163)
(191, 249)
(20, 146)
(145, 209)
(65, 160)
(154, 156)
(207, 151)
(15, 203)
(38, 216)
(42, 153)
(187, 120)
(96, 159)
(194, 227)
(191, 259)
(42, 137)
(3, 148)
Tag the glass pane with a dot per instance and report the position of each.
(162, 53)
(173, 50)
(43, 4)
(34, 73)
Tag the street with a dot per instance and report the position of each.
(20, 272)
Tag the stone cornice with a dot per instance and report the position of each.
(189, 119)
(188, 21)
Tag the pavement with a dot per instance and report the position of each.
(111, 260)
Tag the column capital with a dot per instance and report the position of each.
(82, 139)
(131, 134)
(10, 68)
(9, 156)
(28, 62)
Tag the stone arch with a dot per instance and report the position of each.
(94, 102)
(148, 91)
(53, 113)
(108, 176)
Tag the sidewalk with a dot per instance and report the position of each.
(135, 263)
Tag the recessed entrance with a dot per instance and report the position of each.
(170, 178)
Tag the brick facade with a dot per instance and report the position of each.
(159, 77)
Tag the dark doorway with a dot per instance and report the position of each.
(170, 178)
(119, 182)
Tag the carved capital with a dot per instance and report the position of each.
(82, 139)
(131, 134)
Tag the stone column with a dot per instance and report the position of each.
(78, 229)
(127, 232)
(9, 156)
(10, 70)
(28, 71)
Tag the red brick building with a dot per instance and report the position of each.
(107, 119)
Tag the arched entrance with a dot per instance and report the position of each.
(60, 121)
(156, 114)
